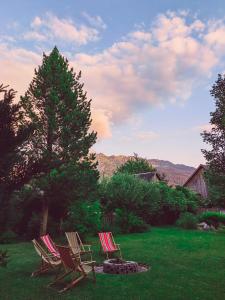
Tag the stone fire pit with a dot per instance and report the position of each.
(119, 266)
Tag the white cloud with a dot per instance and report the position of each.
(50, 27)
(95, 21)
(203, 127)
(17, 67)
(148, 67)
(34, 35)
(36, 22)
(101, 123)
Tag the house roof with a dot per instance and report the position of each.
(194, 173)
(148, 175)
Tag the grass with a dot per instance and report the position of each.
(184, 265)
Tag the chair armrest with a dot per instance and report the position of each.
(86, 252)
(93, 262)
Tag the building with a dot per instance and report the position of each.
(149, 176)
(196, 182)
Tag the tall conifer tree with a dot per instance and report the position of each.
(56, 103)
(215, 156)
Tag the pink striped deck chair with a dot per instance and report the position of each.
(50, 245)
(108, 244)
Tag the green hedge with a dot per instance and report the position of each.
(154, 203)
(212, 218)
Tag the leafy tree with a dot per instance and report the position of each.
(215, 157)
(135, 165)
(56, 103)
(13, 137)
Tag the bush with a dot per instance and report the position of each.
(212, 218)
(84, 217)
(8, 237)
(135, 165)
(154, 203)
(129, 223)
(4, 258)
(187, 221)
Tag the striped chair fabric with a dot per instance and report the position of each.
(50, 245)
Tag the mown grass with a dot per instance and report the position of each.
(184, 265)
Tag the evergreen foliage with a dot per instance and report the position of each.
(57, 106)
(154, 203)
(135, 165)
(13, 137)
(215, 157)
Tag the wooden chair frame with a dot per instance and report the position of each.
(72, 264)
(77, 246)
(48, 261)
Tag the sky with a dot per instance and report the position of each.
(148, 66)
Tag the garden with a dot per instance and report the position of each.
(50, 185)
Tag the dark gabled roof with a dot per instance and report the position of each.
(148, 175)
(194, 173)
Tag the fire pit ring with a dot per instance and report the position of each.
(118, 266)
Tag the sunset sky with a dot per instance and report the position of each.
(147, 65)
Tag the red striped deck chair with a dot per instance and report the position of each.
(73, 266)
(50, 245)
(48, 262)
(108, 244)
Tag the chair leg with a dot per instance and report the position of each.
(42, 269)
(72, 284)
(93, 272)
(60, 277)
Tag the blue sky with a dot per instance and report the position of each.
(147, 65)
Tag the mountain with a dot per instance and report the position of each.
(176, 174)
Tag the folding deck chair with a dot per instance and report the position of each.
(108, 244)
(77, 246)
(50, 245)
(72, 264)
(48, 261)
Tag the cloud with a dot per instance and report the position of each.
(50, 27)
(101, 123)
(204, 127)
(148, 67)
(95, 21)
(17, 66)
(34, 35)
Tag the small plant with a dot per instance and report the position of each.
(4, 258)
(187, 221)
(212, 218)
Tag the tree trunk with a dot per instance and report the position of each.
(44, 222)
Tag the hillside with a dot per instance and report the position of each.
(175, 173)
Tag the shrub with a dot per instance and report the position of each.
(8, 237)
(84, 217)
(4, 258)
(154, 202)
(187, 221)
(135, 165)
(212, 218)
(128, 222)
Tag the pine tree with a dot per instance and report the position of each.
(13, 137)
(215, 157)
(58, 107)
(135, 165)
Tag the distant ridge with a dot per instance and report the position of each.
(176, 174)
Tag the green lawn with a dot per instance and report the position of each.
(184, 265)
